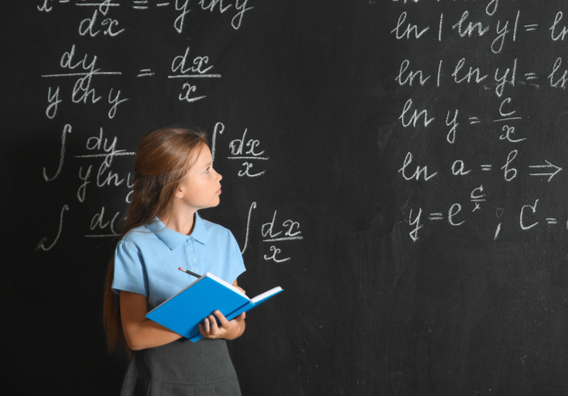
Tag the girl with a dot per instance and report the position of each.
(174, 178)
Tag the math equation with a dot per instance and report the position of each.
(487, 133)
(82, 77)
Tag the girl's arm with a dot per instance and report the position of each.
(140, 332)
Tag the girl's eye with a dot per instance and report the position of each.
(207, 170)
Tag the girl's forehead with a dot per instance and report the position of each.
(200, 156)
(204, 153)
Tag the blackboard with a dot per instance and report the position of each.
(398, 167)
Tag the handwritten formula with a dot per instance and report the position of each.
(84, 79)
(500, 77)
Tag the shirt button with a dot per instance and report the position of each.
(191, 249)
(193, 259)
(196, 270)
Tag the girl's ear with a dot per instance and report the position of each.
(179, 192)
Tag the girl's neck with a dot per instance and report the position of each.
(180, 222)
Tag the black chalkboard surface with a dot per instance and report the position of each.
(398, 167)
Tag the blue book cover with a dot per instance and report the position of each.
(184, 311)
(254, 302)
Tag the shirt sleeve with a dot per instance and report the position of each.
(237, 264)
(130, 272)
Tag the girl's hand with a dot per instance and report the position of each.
(226, 330)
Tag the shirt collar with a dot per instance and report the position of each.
(172, 238)
(199, 233)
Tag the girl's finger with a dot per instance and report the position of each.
(221, 318)
(213, 325)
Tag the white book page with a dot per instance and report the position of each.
(221, 281)
(264, 295)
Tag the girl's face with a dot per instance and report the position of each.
(200, 188)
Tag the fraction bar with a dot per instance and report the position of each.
(283, 239)
(248, 158)
(80, 74)
(190, 76)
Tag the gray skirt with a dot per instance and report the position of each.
(182, 368)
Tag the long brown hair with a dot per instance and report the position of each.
(162, 160)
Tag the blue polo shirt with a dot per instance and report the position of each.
(147, 258)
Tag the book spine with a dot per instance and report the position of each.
(246, 307)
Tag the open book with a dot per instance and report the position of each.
(184, 311)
